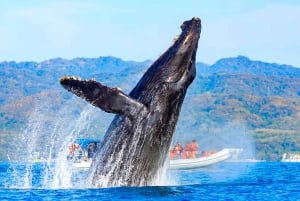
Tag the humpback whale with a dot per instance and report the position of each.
(137, 141)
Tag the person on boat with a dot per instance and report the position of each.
(173, 153)
(194, 149)
(184, 154)
(178, 149)
(212, 152)
(204, 153)
(187, 149)
(72, 148)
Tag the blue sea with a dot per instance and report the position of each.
(224, 181)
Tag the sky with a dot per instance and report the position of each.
(38, 30)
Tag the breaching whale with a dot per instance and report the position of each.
(136, 143)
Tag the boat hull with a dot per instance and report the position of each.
(204, 161)
(181, 164)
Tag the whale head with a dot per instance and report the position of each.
(176, 67)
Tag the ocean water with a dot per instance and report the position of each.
(224, 181)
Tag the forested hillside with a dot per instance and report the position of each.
(233, 97)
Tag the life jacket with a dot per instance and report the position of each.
(188, 147)
(192, 154)
(178, 148)
(184, 154)
(194, 146)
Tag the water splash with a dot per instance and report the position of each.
(63, 167)
(48, 141)
(27, 151)
(165, 177)
(112, 166)
(43, 146)
(127, 164)
(47, 137)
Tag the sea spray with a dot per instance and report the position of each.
(165, 177)
(43, 144)
(28, 144)
(113, 165)
(62, 171)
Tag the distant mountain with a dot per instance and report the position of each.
(28, 78)
(255, 85)
(262, 97)
(243, 65)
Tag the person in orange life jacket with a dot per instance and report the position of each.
(194, 149)
(173, 153)
(178, 149)
(187, 149)
(72, 148)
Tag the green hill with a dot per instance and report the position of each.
(235, 102)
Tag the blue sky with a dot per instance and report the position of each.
(35, 30)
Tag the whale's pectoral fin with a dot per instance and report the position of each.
(111, 100)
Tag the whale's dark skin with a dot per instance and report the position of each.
(137, 142)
